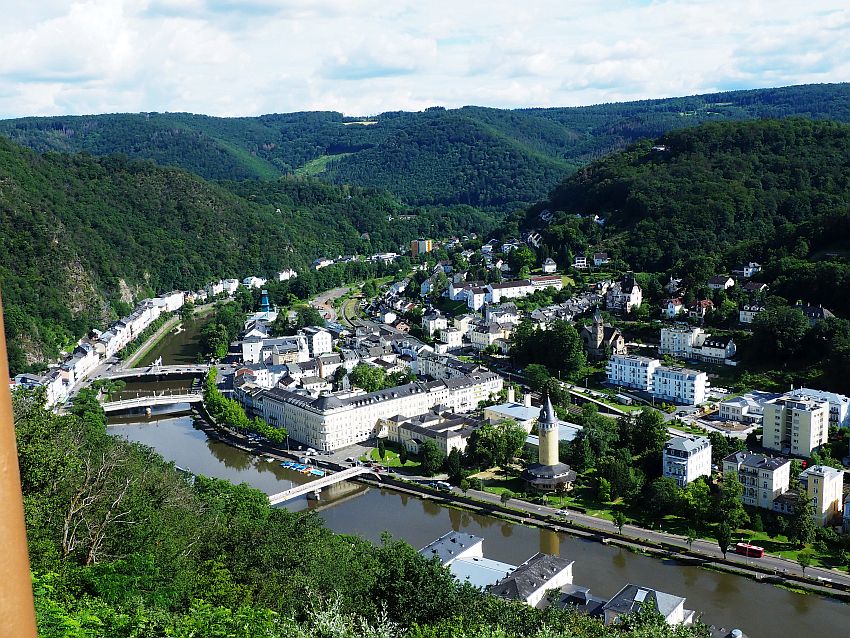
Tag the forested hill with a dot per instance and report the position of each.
(80, 237)
(477, 156)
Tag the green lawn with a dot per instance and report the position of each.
(318, 165)
(391, 459)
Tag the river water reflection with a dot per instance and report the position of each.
(725, 600)
(762, 611)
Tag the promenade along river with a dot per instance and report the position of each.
(762, 611)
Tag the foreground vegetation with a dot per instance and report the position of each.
(124, 545)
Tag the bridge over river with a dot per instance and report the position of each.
(150, 401)
(313, 487)
(156, 371)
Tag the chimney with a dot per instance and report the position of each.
(511, 394)
(527, 399)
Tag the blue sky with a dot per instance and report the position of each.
(235, 57)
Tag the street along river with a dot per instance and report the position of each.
(726, 600)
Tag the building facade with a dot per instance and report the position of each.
(685, 459)
(677, 385)
(795, 424)
(763, 478)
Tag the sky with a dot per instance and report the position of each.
(363, 57)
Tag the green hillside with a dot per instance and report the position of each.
(80, 237)
(478, 156)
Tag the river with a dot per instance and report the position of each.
(726, 600)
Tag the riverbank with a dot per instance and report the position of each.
(774, 571)
(154, 340)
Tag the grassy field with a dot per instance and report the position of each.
(391, 459)
(318, 165)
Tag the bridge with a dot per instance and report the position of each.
(312, 487)
(151, 400)
(156, 371)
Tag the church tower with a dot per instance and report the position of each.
(547, 426)
(598, 330)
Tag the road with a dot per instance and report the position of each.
(324, 302)
(631, 532)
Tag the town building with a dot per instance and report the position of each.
(721, 282)
(523, 413)
(633, 598)
(795, 424)
(813, 313)
(580, 262)
(549, 266)
(839, 405)
(448, 431)
(700, 308)
(686, 458)
(330, 422)
(254, 282)
(463, 555)
(747, 408)
(764, 478)
(824, 487)
(672, 308)
(600, 259)
(530, 581)
(421, 246)
(319, 340)
(674, 384)
(746, 270)
(433, 322)
(600, 340)
(748, 312)
(624, 296)
(694, 343)
(286, 275)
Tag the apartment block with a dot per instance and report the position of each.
(795, 424)
(824, 486)
(678, 385)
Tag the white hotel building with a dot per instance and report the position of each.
(679, 385)
(330, 422)
(685, 459)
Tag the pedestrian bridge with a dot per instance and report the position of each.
(156, 371)
(316, 486)
(151, 401)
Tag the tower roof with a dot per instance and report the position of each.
(597, 316)
(547, 412)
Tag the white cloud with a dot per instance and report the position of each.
(240, 57)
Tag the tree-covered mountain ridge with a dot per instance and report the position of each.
(81, 236)
(731, 192)
(484, 157)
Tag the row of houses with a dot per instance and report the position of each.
(693, 343)
(98, 346)
(533, 581)
(476, 293)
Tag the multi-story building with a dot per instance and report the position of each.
(632, 371)
(330, 422)
(679, 385)
(434, 322)
(319, 340)
(748, 312)
(764, 478)
(421, 246)
(632, 598)
(686, 458)
(795, 424)
(448, 431)
(824, 486)
(839, 405)
(624, 296)
(690, 342)
(746, 408)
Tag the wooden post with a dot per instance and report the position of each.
(17, 610)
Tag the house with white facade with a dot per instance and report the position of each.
(633, 598)
(672, 307)
(600, 259)
(530, 582)
(747, 270)
(673, 384)
(319, 340)
(230, 286)
(685, 459)
(286, 275)
(747, 408)
(254, 282)
(331, 422)
(624, 296)
(549, 266)
(580, 262)
(690, 342)
(748, 312)
(433, 322)
(721, 282)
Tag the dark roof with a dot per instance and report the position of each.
(632, 597)
(538, 471)
(719, 279)
(530, 576)
(449, 545)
